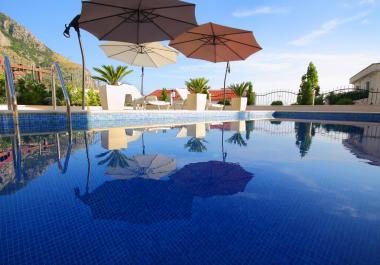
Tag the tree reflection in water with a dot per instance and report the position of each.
(195, 145)
(113, 158)
(250, 127)
(237, 139)
(304, 135)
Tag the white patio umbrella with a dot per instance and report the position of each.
(152, 54)
(144, 166)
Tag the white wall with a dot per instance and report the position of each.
(374, 80)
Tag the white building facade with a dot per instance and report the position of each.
(369, 79)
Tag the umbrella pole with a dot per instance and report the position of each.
(75, 24)
(224, 154)
(142, 81)
(143, 143)
(225, 84)
(83, 70)
(88, 162)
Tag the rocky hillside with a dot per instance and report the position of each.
(24, 48)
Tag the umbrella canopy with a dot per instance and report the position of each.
(214, 178)
(147, 167)
(138, 201)
(144, 55)
(152, 54)
(216, 43)
(137, 21)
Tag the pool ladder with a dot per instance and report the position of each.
(12, 97)
(12, 106)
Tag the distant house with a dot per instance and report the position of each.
(369, 79)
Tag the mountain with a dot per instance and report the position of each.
(24, 48)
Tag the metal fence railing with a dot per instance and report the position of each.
(289, 97)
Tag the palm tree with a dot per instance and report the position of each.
(240, 89)
(114, 158)
(110, 75)
(198, 85)
(195, 145)
(237, 138)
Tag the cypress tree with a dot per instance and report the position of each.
(309, 86)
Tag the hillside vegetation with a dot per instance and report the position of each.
(23, 47)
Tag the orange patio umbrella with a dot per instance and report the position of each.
(217, 43)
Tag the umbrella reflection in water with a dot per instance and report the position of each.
(148, 201)
(139, 194)
(213, 178)
(139, 201)
(145, 166)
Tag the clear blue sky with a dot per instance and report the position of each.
(340, 36)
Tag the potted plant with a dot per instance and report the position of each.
(239, 103)
(112, 95)
(197, 100)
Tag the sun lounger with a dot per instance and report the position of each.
(153, 101)
(213, 106)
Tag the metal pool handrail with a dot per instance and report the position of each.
(55, 67)
(63, 168)
(12, 106)
(10, 91)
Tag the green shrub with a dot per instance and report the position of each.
(319, 100)
(93, 98)
(334, 98)
(345, 101)
(277, 103)
(74, 93)
(164, 95)
(3, 98)
(30, 92)
(251, 96)
(2, 85)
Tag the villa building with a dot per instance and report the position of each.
(369, 79)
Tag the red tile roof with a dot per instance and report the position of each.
(218, 95)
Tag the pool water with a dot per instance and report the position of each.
(244, 192)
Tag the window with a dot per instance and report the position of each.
(367, 85)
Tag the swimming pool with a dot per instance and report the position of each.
(242, 192)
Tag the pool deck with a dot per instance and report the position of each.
(320, 108)
(48, 120)
(44, 119)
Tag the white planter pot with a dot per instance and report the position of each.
(238, 126)
(197, 130)
(114, 139)
(239, 104)
(196, 102)
(112, 97)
